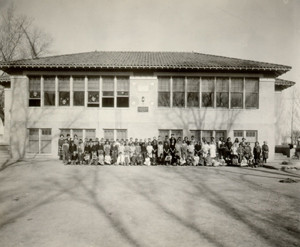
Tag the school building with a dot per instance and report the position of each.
(119, 95)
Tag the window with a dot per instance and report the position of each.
(238, 134)
(49, 91)
(164, 91)
(108, 134)
(65, 132)
(221, 133)
(251, 87)
(222, 92)
(46, 141)
(164, 132)
(178, 91)
(121, 134)
(90, 134)
(108, 91)
(35, 91)
(237, 90)
(93, 92)
(79, 133)
(192, 92)
(196, 134)
(64, 91)
(177, 133)
(39, 141)
(207, 134)
(207, 92)
(122, 92)
(78, 91)
(251, 136)
(33, 146)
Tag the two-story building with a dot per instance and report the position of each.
(119, 95)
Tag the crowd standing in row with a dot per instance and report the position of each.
(158, 151)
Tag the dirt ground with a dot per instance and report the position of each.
(44, 203)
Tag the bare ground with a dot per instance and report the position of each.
(44, 203)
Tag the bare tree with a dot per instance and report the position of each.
(20, 39)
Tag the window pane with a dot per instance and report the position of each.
(222, 85)
(123, 102)
(93, 84)
(33, 143)
(238, 133)
(65, 132)
(90, 134)
(222, 99)
(93, 97)
(193, 99)
(64, 98)
(237, 85)
(108, 83)
(46, 139)
(107, 102)
(177, 133)
(196, 134)
(49, 98)
(192, 84)
(121, 134)
(251, 85)
(251, 136)
(207, 134)
(237, 100)
(78, 84)
(49, 91)
(164, 84)
(64, 84)
(178, 99)
(78, 98)
(34, 102)
(35, 87)
(207, 99)
(108, 134)
(164, 99)
(163, 133)
(207, 84)
(221, 133)
(123, 84)
(78, 132)
(251, 100)
(178, 84)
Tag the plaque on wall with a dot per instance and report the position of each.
(143, 108)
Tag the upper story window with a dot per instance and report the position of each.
(193, 92)
(251, 88)
(64, 91)
(164, 91)
(78, 91)
(108, 91)
(93, 92)
(35, 91)
(216, 92)
(49, 91)
(208, 91)
(236, 93)
(178, 91)
(122, 91)
(222, 92)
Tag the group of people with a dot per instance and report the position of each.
(158, 151)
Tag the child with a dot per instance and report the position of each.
(222, 161)
(73, 152)
(265, 152)
(60, 144)
(196, 160)
(160, 152)
(101, 158)
(86, 158)
(184, 150)
(94, 159)
(244, 162)
(213, 148)
(147, 161)
(121, 160)
(257, 153)
(126, 153)
(65, 151)
(168, 159)
(133, 159)
(107, 148)
(107, 160)
(114, 153)
(80, 150)
(139, 159)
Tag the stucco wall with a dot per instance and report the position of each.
(139, 124)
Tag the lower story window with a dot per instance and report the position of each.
(249, 135)
(166, 132)
(39, 141)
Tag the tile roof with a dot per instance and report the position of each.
(144, 60)
(281, 84)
